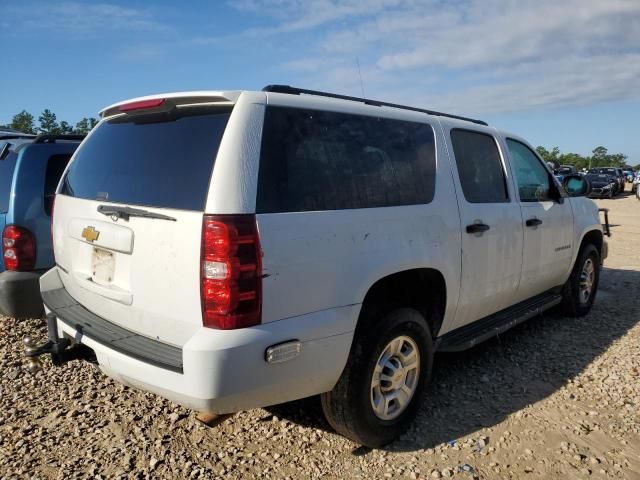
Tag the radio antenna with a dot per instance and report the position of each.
(360, 75)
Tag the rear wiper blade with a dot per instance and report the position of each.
(126, 212)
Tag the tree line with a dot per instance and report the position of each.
(600, 157)
(48, 124)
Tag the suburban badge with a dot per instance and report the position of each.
(90, 234)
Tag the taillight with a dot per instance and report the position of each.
(18, 248)
(231, 272)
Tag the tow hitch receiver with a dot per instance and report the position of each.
(62, 350)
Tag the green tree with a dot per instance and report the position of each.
(85, 125)
(23, 122)
(574, 159)
(48, 122)
(617, 160)
(65, 128)
(550, 156)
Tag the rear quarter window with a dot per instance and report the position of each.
(165, 164)
(317, 160)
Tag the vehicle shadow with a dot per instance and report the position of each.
(620, 196)
(482, 386)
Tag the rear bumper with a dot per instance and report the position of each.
(20, 294)
(226, 371)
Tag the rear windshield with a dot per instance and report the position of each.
(7, 166)
(164, 164)
(608, 171)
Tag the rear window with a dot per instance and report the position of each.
(317, 160)
(164, 164)
(479, 167)
(7, 166)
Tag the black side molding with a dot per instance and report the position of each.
(474, 333)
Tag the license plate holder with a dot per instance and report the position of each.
(103, 266)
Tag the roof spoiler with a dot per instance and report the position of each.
(167, 102)
(298, 91)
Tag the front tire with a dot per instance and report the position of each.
(380, 389)
(580, 290)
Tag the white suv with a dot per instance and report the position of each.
(230, 250)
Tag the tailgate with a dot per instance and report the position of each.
(127, 222)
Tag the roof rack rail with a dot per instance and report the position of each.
(298, 91)
(15, 135)
(51, 138)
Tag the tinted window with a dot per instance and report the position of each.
(55, 166)
(7, 166)
(479, 167)
(531, 174)
(166, 164)
(315, 160)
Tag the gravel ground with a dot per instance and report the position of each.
(553, 398)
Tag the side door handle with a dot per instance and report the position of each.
(533, 222)
(477, 228)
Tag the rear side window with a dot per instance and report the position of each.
(165, 164)
(317, 160)
(55, 166)
(479, 166)
(7, 167)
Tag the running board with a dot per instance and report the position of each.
(488, 327)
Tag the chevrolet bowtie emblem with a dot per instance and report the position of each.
(90, 234)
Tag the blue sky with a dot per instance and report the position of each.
(563, 73)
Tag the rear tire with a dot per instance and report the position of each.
(580, 290)
(381, 387)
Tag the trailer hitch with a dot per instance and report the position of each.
(62, 350)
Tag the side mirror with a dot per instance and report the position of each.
(576, 185)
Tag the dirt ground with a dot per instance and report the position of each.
(553, 398)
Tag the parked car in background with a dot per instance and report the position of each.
(232, 249)
(30, 168)
(614, 173)
(603, 185)
(636, 181)
(563, 171)
(623, 179)
(629, 175)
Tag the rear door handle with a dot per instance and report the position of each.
(477, 228)
(533, 222)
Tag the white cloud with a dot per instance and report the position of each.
(469, 56)
(70, 17)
